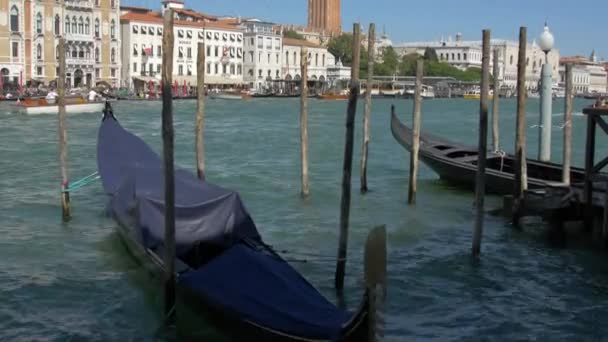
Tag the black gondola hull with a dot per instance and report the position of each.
(457, 164)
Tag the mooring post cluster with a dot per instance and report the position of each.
(200, 111)
(480, 181)
(168, 140)
(304, 121)
(348, 160)
(371, 39)
(412, 189)
(63, 134)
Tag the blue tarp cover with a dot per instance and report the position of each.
(132, 174)
(253, 285)
(268, 291)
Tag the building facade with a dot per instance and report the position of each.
(13, 14)
(319, 59)
(324, 16)
(142, 34)
(92, 32)
(262, 58)
(588, 75)
(467, 54)
(337, 72)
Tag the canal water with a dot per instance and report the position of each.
(75, 281)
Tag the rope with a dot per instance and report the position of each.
(80, 183)
(502, 155)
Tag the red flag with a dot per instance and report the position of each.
(175, 85)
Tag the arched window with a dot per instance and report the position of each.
(287, 57)
(14, 19)
(39, 51)
(87, 26)
(67, 25)
(96, 54)
(97, 28)
(112, 28)
(323, 58)
(80, 26)
(316, 59)
(511, 60)
(57, 52)
(113, 3)
(113, 55)
(57, 25)
(88, 53)
(295, 60)
(458, 56)
(74, 25)
(67, 52)
(38, 23)
(75, 52)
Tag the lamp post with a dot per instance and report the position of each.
(546, 44)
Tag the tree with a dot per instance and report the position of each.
(430, 54)
(342, 47)
(292, 34)
(390, 59)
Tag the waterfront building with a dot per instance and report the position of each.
(13, 56)
(337, 72)
(588, 75)
(92, 33)
(318, 60)
(262, 58)
(467, 54)
(324, 16)
(29, 39)
(142, 46)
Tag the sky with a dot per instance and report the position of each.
(578, 27)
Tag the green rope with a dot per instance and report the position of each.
(81, 182)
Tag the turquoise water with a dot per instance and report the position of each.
(75, 281)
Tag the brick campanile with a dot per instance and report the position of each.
(324, 15)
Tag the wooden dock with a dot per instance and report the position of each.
(585, 201)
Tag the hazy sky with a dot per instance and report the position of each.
(578, 26)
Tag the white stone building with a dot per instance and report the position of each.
(466, 54)
(142, 47)
(337, 72)
(318, 60)
(262, 58)
(588, 76)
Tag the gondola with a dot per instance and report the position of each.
(223, 267)
(458, 164)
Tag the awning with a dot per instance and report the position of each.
(146, 79)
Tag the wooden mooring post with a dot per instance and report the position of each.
(371, 39)
(495, 101)
(521, 174)
(412, 189)
(480, 181)
(304, 120)
(567, 127)
(63, 134)
(200, 111)
(168, 137)
(348, 160)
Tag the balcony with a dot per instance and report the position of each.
(79, 4)
(76, 37)
(80, 61)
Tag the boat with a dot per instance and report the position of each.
(427, 92)
(73, 105)
(226, 96)
(224, 270)
(262, 95)
(332, 96)
(475, 94)
(558, 92)
(458, 164)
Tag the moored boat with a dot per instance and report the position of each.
(73, 106)
(226, 96)
(223, 267)
(458, 164)
(332, 96)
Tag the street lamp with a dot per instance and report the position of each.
(546, 42)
